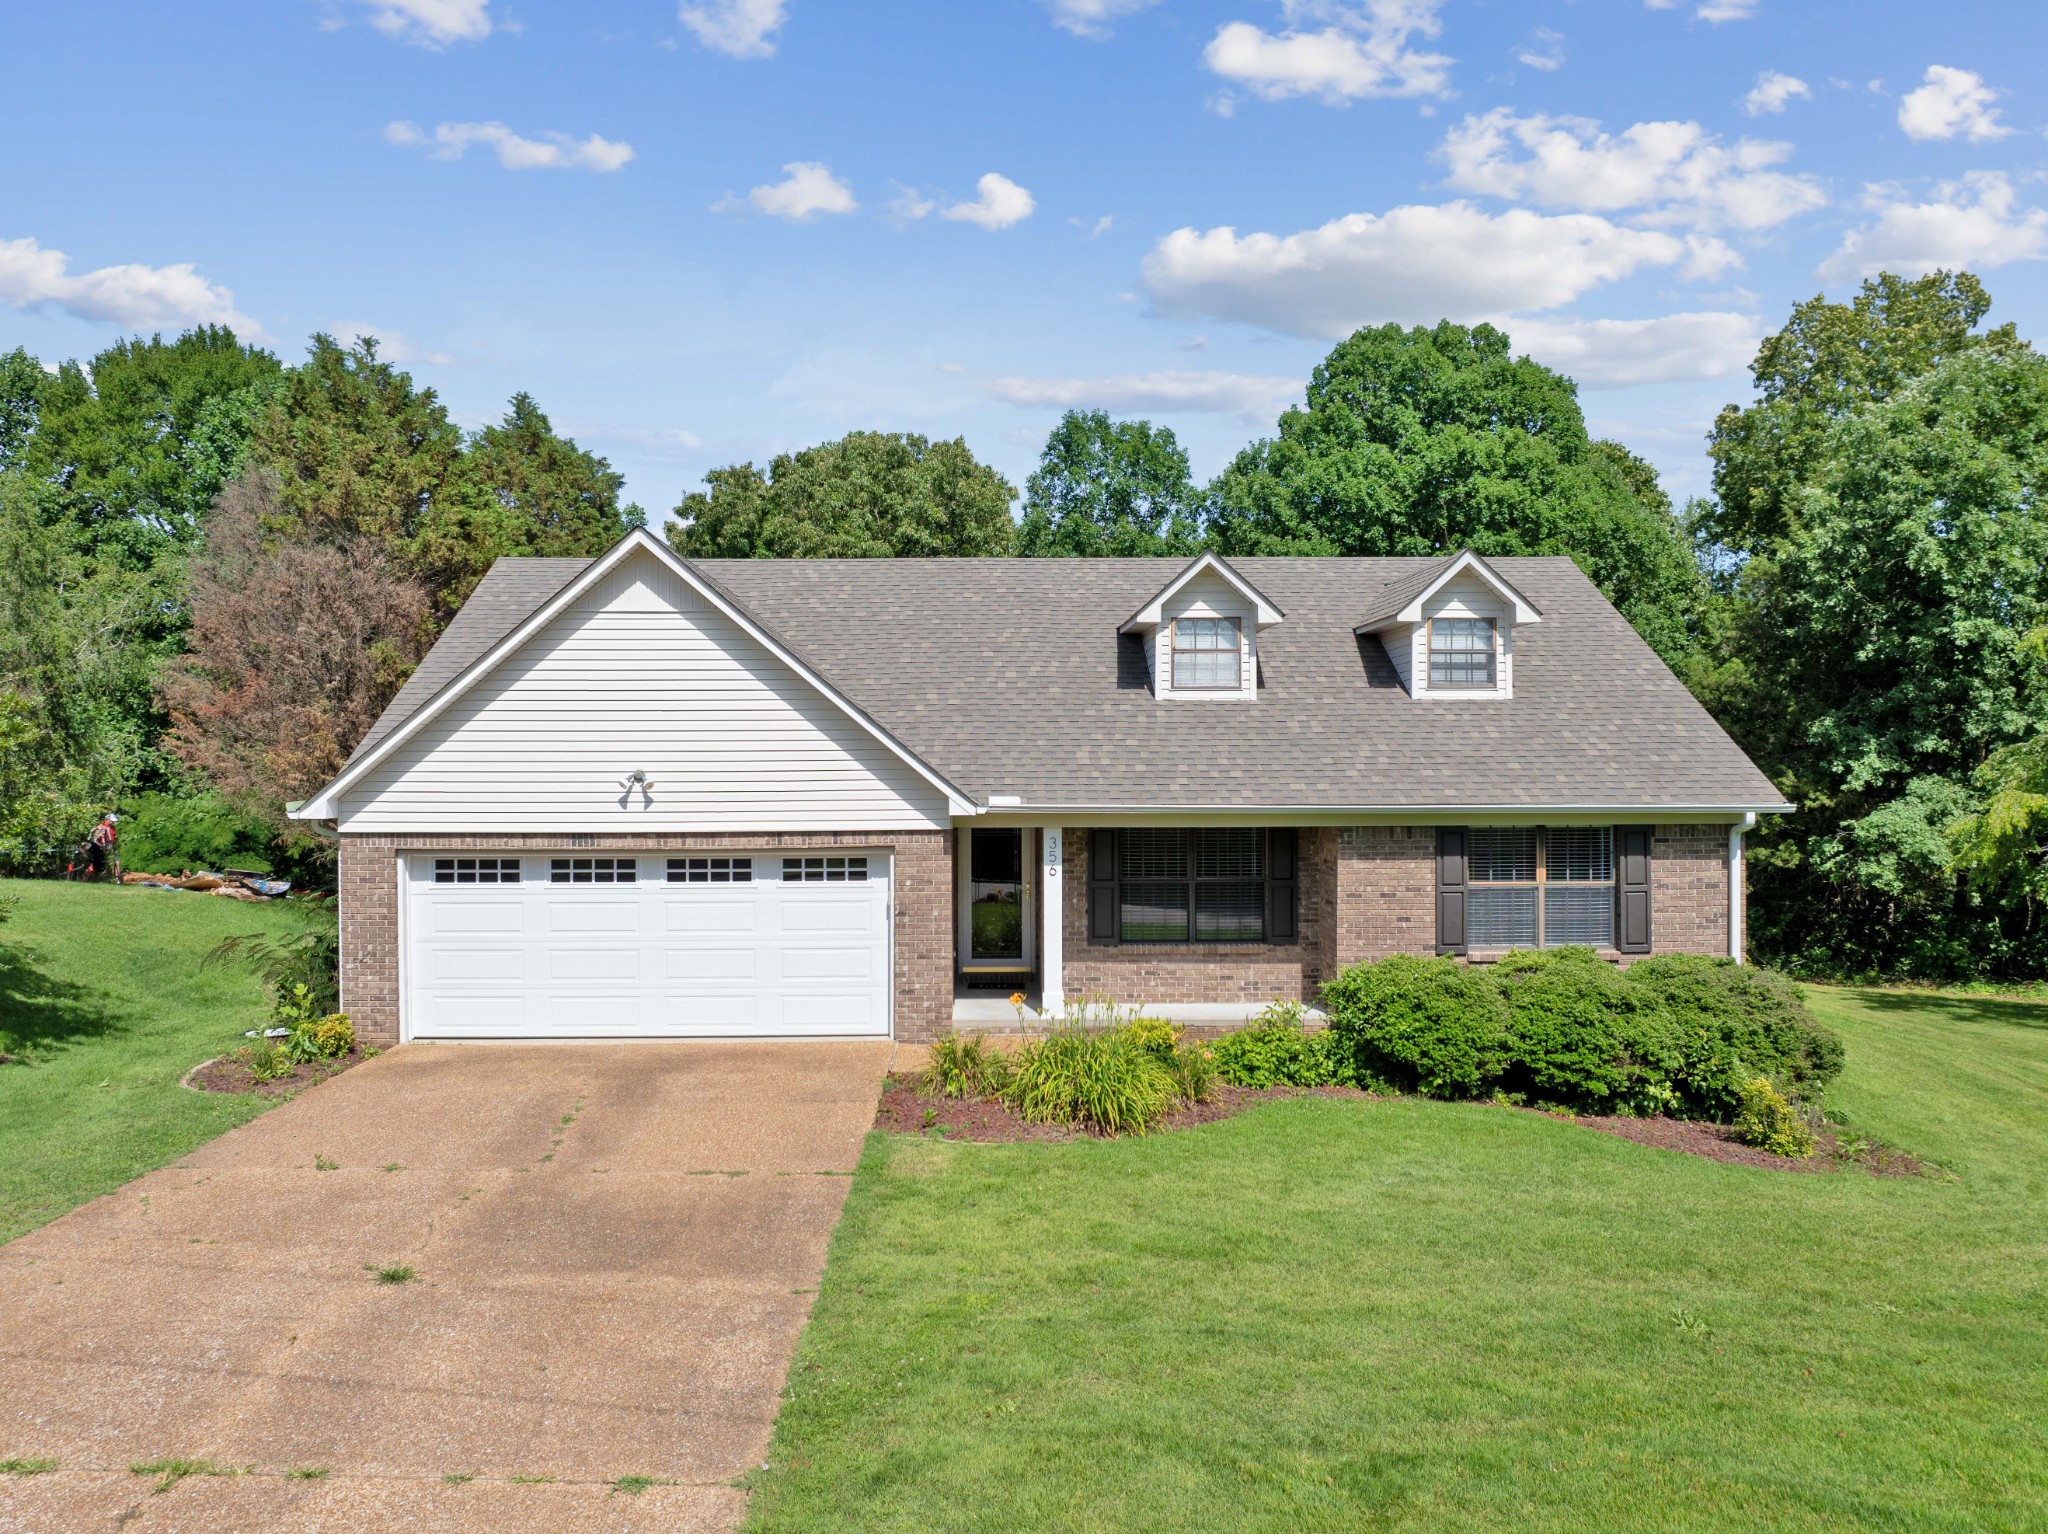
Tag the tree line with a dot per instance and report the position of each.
(219, 568)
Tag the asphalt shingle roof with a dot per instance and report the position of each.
(1008, 676)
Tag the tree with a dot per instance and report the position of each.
(1826, 362)
(1426, 441)
(1893, 680)
(116, 438)
(558, 500)
(871, 495)
(21, 386)
(1114, 488)
(297, 642)
(80, 640)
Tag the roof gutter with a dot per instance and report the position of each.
(1665, 812)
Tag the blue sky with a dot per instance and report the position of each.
(714, 231)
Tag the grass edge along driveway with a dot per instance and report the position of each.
(1412, 1315)
(103, 1002)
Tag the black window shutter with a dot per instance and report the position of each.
(1102, 903)
(1450, 889)
(1632, 888)
(1283, 887)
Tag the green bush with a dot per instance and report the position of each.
(1156, 1034)
(1580, 1035)
(1427, 1024)
(1767, 1119)
(1736, 1022)
(165, 834)
(267, 1061)
(965, 1067)
(320, 1038)
(1277, 1050)
(1193, 1069)
(1108, 1081)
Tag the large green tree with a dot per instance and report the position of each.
(871, 495)
(1429, 440)
(1829, 360)
(1114, 488)
(117, 436)
(1891, 665)
(556, 498)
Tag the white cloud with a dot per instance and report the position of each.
(1673, 172)
(1544, 50)
(807, 189)
(132, 296)
(1774, 91)
(1092, 18)
(1974, 222)
(1715, 11)
(1335, 50)
(392, 345)
(1241, 394)
(552, 151)
(999, 203)
(908, 204)
(1414, 264)
(1607, 354)
(432, 23)
(1953, 102)
(660, 443)
(744, 29)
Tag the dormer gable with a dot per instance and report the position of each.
(1201, 633)
(1450, 629)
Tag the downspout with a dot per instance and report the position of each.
(1737, 880)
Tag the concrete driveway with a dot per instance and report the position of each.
(613, 1248)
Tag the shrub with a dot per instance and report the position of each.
(1193, 1069)
(165, 834)
(1767, 1119)
(308, 961)
(1580, 1035)
(1106, 1081)
(321, 1038)
(965, 1067)
(1736, 1022)
(1156, 1034)
(1428, 1024)
(266, 1061)
(1277, 1050)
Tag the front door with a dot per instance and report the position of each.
(996, 927)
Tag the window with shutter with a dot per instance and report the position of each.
(1224, 884)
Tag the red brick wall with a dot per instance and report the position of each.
(923, 901)
(1366, 892)
(1179, 972)
(1689, 889)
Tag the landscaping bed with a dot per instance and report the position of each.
(1720, 1142)
(908, 1107)
(231, 1073)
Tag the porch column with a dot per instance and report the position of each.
(1738, 891)
(1052, 891)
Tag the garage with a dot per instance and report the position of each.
(576, 944)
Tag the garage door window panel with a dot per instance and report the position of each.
(593, 871)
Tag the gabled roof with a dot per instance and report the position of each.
(1403, 603)
(469, 663)
(1150, 616)
(1007, 677)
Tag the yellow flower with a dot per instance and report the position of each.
(1016, 998)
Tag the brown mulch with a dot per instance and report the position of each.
(906, 1110)
(1717, 1142)
(228, 1074)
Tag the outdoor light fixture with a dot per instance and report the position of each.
(637, 778)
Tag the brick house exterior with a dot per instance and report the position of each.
(788, 720)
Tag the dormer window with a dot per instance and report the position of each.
(1461, 652)
(1201, 633)
(1208, 654)
(1449, 628)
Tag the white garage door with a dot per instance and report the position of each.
(573, 945)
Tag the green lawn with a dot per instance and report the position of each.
(1420, 1316)
(104, 1004)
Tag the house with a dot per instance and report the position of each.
(644, 796)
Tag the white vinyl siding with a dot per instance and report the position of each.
(1467, 596)
(1206, 596)
(642, 674)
